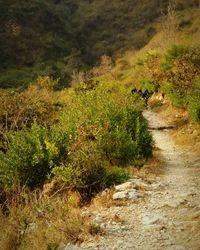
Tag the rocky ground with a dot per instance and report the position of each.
(162, 214)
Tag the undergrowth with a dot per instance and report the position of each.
(97, 133)
(42, 222)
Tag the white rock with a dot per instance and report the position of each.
(124, 186)
(132, 194)
(71, 247)
(151, 219)
(104, 192)
(120, 195)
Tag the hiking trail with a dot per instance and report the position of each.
(168, 217)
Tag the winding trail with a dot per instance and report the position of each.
(168, 218)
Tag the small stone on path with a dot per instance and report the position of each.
(71, 247)
(151, 219)
(129, 194)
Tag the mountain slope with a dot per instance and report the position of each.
(58, 36)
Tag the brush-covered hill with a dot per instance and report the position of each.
(59, 148)
(57, 37)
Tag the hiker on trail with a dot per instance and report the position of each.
(157, 87)
(133, 91)
(140, 93)
(145, 95)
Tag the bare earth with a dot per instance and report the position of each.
(168, 216)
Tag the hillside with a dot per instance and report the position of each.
(64, 151)
(58, 37)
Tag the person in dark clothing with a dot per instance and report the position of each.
(145, 95)
(134, 91)
(140, 93)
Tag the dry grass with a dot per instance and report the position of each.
(105, 199)
(43, 223)
(152, 168)
(187, 133)
(147, 172)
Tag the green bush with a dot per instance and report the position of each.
(143, 138)
(165, 67)
(113, 119)
(189, 54)
(119, 146)
(151, 85)
(106, 129)
(181, 68)
(176, 95)
(194, 102)
(140, 62)
(128, 139)
(31, 155)
(116, 175)
(193, 56)
(99, 130)
(194, 106)
(88, 171)
(177, 52)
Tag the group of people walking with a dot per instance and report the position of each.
(144, 94)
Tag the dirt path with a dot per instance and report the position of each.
(169, 215)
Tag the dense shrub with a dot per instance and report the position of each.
(176, 96)
(91, 172)
(38, 102)
(128, 139)
(193, 56)
(194, 106)
(181, 69)
(176, 52)
(116, 175)
(119, 145)
(194, 102)
(99, 130)
(165, 67)
(112, 119)
(181, 65)
(106, 130)
(188, 53)
(31, 155)
(151, 85)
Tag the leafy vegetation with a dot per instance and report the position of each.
(31, 155)
(95, 131)
(174, 73)
(183, 77)
(194, 103)
(59, 147)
